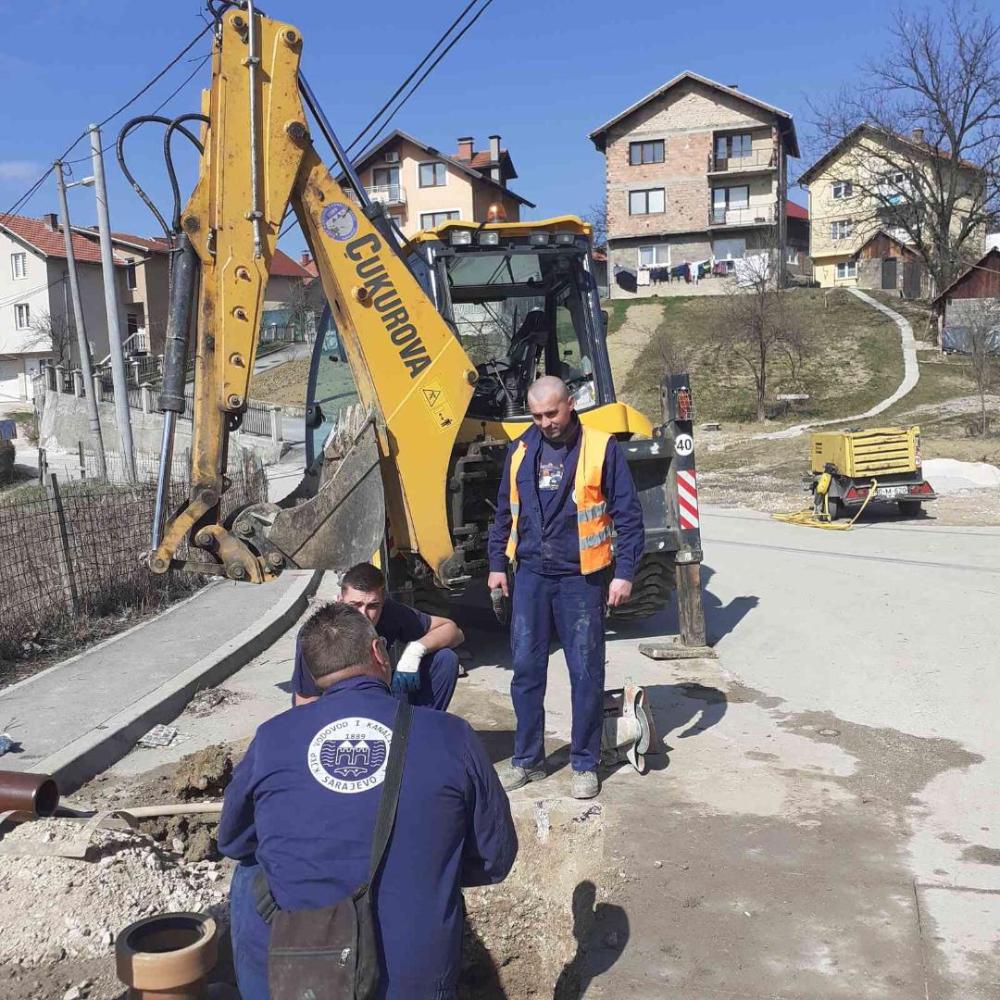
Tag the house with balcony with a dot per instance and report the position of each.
(696, 179)
(866, 201)
(36, 313)
(421, 187)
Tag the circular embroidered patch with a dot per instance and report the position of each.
(349, 755)
(339, 221)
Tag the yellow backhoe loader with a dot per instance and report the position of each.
(441, 337)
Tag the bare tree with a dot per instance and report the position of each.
(759, 328)
(982, 317)
(923, 124)
(597, 216)
(55, 334)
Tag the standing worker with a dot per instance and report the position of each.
(565, 489)
(300, 817)
(427, 669)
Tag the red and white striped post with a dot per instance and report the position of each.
(682, 502)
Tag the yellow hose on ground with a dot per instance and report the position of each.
(810, 519)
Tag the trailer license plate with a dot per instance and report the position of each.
(890, 492)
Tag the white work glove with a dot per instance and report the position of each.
(407, 675)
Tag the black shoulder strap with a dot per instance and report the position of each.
(386, 817)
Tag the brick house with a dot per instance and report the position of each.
(696, 172)
(421, 187)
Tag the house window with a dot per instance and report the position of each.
(847, 269)
(729, 200)
(729, 249)
(893, 187)
(654, 256)
(645, 152)
(22, 316)
(432, 174)
(647, 202)
(130, 281)
(733, 147)
(792, 255)
(387, 178)
(842, 189)
(18, 265)
(841, 229)
(132, 323)
(431, 220)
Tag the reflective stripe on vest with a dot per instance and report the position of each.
(593, 522)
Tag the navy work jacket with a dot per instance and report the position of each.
(304, 799)
(551, 546)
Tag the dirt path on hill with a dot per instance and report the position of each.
(628, 341)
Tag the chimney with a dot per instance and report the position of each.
(305, 260)
(465, 147)
(733, 86)
(494, 148)
(918, 134)
(51, 221)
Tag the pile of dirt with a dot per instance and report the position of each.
(62, 908)
(206, 701)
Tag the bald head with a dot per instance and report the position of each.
(548, 385)
(551, 408)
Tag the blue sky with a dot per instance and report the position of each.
(542, 73)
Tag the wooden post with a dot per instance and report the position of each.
(689, 607)
(43, 466)
(62, 551)
(83, 464)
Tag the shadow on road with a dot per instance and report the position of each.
(601, 933)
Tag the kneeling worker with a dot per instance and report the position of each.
(427, 670)
(302, 807)
(565, 489)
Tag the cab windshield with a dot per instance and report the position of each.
(520, 314)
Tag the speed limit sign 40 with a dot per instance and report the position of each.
(683, 444)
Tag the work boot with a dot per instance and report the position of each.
(585, 784)
(513, 776)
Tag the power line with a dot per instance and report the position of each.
(413, 90)
(23, 200)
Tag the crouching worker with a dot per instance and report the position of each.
(427, 669)
(316, 789)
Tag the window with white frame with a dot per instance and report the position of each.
(648, 202)
(731, 249)
(22, 316)
(842, 189)
(792, 255)
(733, 147)
(847, 269)
(841, 229)
(130, 278)
(431, 220)
(657, 255)
(646, 152)
(432, 174)
(18, 265)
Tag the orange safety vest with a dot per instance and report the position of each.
(592, 519)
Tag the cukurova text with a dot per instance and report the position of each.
(384, 297)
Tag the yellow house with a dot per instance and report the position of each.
(421, 187)
(862, 185)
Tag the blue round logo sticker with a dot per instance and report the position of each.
(339, 221)
(349, 755)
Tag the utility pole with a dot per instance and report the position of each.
(81, 332)
(111, 304)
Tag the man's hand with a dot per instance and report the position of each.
(407, 675)
(495, 580)
(619, 592)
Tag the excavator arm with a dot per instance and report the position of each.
(385, 466)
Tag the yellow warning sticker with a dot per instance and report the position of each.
(437, 403)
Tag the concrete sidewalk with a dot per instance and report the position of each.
(77, 718)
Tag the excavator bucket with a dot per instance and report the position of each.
(335, 518)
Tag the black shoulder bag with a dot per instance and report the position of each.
(332, 953)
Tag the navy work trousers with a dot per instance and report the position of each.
(574, 606)
(438, 677)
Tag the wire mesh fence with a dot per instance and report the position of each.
(73, 550)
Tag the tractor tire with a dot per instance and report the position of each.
(651, 589)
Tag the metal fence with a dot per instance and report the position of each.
(71, 551)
